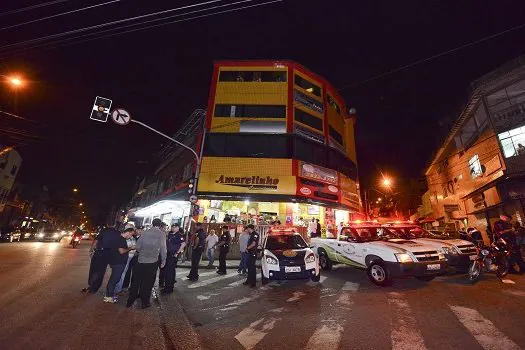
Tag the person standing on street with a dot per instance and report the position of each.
(317, 228)
(118, 264)
(150, 244)
(251, 249)
(243, 243)
(211, 242)
(312, 228)
(224, 249)
(198, 247)
(131, 241)
(102, 248)
(175, 246)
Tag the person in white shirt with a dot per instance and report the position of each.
(312, 228)
(211, 242)
(243, 243)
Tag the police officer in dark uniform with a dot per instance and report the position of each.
(224, 244)
(104, 247)
(175, 247)
(199, 241)
(253, 243)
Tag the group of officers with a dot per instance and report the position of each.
(199, 243)
(154, 249)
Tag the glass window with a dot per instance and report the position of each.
(336, 136)
(333, 104)
(307, 101)
(284, 242)
(252, 76)
(307, 85)
(468, 132)
(308, 119)
(513, 142)
(475, 167)
(250, 111)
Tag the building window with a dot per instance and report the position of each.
(250, 111)
(308, 119)
(513, 142)
(333, 104)
(336, 136)
(475, 167)
(307, 85)
(13, 170)
(308, 102)
(252, 76)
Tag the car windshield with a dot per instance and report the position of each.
(363, 234)
(413, 232)
(283, 242)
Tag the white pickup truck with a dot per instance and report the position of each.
(366, 245)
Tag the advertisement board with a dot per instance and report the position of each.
(318, 173)
(238, 183)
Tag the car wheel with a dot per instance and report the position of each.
(378, 274)
(425, 278)
(264, 280)
(324, 261)
(316, 278)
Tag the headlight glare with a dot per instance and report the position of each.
(404, 258)
(271, 261)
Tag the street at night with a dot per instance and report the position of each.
(42, 307)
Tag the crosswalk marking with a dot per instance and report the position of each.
(252, 335)
(484, 331)
(518, 293)
(351, 286)
(235, 304)
(404, 334)
(296, 296)
(328, 336)
(210, 281)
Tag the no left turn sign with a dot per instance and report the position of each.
(120, 116)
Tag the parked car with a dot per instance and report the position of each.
(10, 234)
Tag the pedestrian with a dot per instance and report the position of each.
(503, 230)
(162, 272)
(131, 242)
(243, 243)
(150, 244)
(134, 260)
(211, 242)
(224, 249)
(317, 228)
(101, 248)
(251, 249)
(119, 261)
(199, 242)
(312, 228)
(175, 246)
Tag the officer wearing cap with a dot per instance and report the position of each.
(224, 244)
(175, 247)
(251, 249)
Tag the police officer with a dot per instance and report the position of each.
(199, 241)
(224, 244)
(104, 245)
(175, 247)
(253, 243)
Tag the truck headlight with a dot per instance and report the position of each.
(55, 235)
(310, 259)
(441, 256)
(40, 235)
(404, 257)
(270, 260)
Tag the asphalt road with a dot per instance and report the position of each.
(41, 308)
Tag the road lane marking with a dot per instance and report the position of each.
(518, 293)
(210, 281)
(507, 281)
(404, 334)
(296, 296)
(351, 286)
(484, 331)
(251, 336)
(328, 336)
(235, 304)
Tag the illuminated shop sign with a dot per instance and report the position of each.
(318, 173)
(252, 182)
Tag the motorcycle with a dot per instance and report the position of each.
(490, 259)
(76, 241)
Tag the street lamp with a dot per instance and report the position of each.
(75, 189)
(387, 182)
(14, 81)
(81, 204)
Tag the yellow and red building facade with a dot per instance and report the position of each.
(279, 142)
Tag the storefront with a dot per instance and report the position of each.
(169, 211)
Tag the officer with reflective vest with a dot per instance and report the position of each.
(251, 249)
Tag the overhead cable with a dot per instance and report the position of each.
(29, 8)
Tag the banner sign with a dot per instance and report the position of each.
(247, 184)
(315, 172)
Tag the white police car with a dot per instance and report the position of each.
(286, 256)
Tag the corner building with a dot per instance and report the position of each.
(279, 144)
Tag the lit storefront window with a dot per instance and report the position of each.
(513, 142)
(475, 167)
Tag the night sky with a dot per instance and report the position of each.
(162, 74)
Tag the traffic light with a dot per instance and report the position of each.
(101, 108)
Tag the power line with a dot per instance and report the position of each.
(144, 28)
(444, 53)
(29, 8)
(59, 14)
(44, 38)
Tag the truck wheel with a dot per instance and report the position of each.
(316, 278)
(264, 280)
(324, 261)
(378, 274)
(425, 278)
